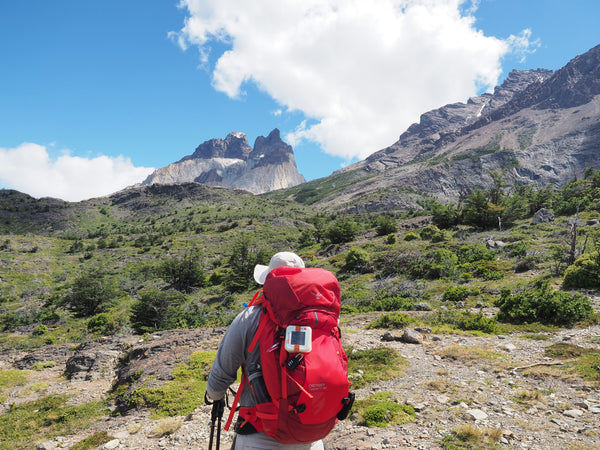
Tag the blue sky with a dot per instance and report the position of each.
(95, 95)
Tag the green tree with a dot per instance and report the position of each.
(385, 225)
(155, 310)
(183, 274)
(342, 230)
(90, 292)
(445, 216)
(244, 256)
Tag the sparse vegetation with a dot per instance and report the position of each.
(132, 265)
(29, 423)
(366, 366)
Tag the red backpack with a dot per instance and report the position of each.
(304, 367)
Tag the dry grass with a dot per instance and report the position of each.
(470, 355)
(439, 385)
(526, 396)
(474, 437)
(166, 426)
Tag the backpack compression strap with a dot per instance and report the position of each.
(235, 402)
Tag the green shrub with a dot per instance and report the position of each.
(391, 239)
(391, 321)
(487, 270)
(384, 413)
(103, 324)
(357, 260)
(91, 291)
(384, 301)
(93, 441)
(40, 330)
(385, 225)
(515, 249)
(543, 304)
(156, 310)
(428, 231)
(342, 230)
(584, 273)
(411, 236)
(464, 320)
(183, 274)
(455, 294)
(347, 309)
(472, 253)
(440, 236)
(434, 264)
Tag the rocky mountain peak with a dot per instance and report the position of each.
(271, 149)
(235, 145)
(232, 163)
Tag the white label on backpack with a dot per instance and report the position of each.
(298, 339)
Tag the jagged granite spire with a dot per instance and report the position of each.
(232, 163)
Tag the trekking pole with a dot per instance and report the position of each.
(215, 416)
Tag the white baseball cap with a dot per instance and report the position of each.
(281, 259)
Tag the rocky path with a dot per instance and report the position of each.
(502, 384)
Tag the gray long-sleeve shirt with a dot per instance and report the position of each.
(233, 353)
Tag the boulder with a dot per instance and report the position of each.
(542, 216)
(411, 336)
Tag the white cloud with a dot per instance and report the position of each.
(30, 169)
(363, 71)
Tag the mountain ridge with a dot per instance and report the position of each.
(543, 130)
(234, 164)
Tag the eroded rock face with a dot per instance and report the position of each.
(539, 128)
(234, 164)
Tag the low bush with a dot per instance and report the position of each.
(103, 324)
(384, 413)
(458, 293)
(357, 260)
(434, 264)
(464, 320)
(391, 321)
(584, 273)
(428, 231)
(545, 305)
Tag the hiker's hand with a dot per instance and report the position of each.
(218, 409)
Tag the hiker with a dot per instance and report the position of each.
(239, 349)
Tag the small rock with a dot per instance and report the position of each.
(422, 306)
(575, 413)
(388, 336)
(424, 330)
(508, 347)
(111, 445)
(443, 399)
(476, 414)
(48, 445)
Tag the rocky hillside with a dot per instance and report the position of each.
(538, 128)
(507, 386)
(232, 163)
